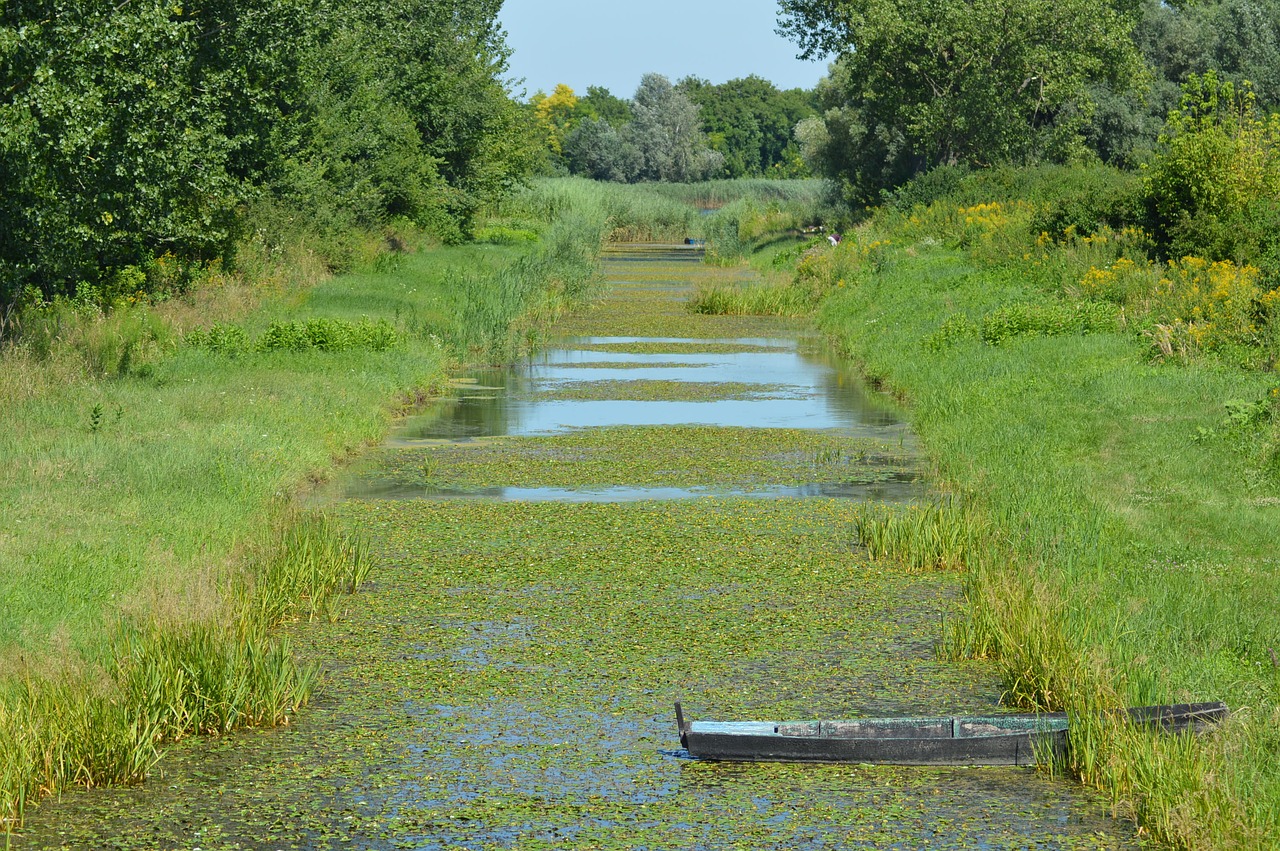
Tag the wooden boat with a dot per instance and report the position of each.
(1016, 739)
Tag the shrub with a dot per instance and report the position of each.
(928, 188)
(1202, 305)
(502, 235)
(326, 335)
(1124, 282)
(1027, 319)
(1212, 191)
(953, 329)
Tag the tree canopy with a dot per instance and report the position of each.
(134, 130)
(662, 141)
(750, 121)
(916, 85)
(1238, 40)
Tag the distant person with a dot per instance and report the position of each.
(834, 239)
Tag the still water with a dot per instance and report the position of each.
(800, 385)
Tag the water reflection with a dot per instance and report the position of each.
(816, 392)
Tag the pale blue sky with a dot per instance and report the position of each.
(610, 43)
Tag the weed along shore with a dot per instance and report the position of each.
(154, 548)
(660, 505)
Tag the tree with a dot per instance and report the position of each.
(1214, 188)
(600, 103)
(131, 130)
(106, 154)
(667, 131)
(749, 121)
(596, 150)
(1239, 40)
(557, 114)
(974, 82)
(447, 60)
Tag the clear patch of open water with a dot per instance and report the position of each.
(819, 394)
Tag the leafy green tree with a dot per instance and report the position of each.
(1214, 188)
(600, 103)
(131, 130)
(106, 154)
(447, 60)
(597, 150)
(668, 132)
(356, 158)
(662, 140)
(975, 82)
(1237, 39)
(750, 122)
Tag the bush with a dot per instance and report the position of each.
(953, 329)
(326, 335)
(1213, 190)
(1124, 282)
(926, 189)
(1026, 319)
(501, 235)
(1216, 305)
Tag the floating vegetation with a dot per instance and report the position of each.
(661, 347)
(506, 679)
(668, 456)
(632, 365)
(508, 683)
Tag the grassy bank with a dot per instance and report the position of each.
(1109, 425)
(153, 454)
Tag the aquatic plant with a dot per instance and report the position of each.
(935, 536)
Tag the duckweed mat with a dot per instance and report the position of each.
(604, 364)
(508, 683)
(667, 347)
(667, 456)
(648, 299)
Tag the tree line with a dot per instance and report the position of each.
(147, 130)
(974, 83)
(688, 131)
(1186, 90)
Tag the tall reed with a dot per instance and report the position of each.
(934, 536)
(171, 679)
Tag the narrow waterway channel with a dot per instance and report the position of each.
(658, 507)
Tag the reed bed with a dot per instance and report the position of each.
(935, 536)
(714, 194)
(171, 678)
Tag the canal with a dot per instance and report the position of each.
(658, 507)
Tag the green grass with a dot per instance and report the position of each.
(153, 455)
(176, 475)
(1132, 559)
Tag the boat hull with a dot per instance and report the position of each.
(1014, 740)
(760, 742)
